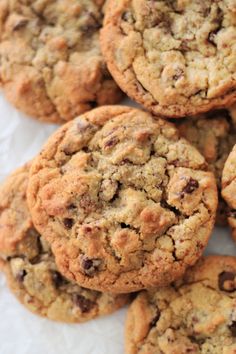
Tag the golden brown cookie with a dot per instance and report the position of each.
(194, 315)
(229, 189)
(214, 135)
(51, 66)
(30, 265)
(177, 58)
(124, 201)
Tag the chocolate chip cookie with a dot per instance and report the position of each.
(194, 315)
(30, 265)
(177, 58)
(51, 65)
(229, 189)
(124, 201)
(214, 135)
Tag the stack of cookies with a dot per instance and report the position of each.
(123, 201)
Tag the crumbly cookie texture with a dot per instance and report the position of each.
(51, 66)
(229, 189)
(124, 201)
(177, 58)
(30, 265)
(194, 315)
(214, 135)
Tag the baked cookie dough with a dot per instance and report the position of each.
(229, 189)
(177, 58)
(214, 135)
(124, 201)
(194, 315)
(51, 66)
(30, 265)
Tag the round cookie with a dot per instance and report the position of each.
(30, 265)
(123, 200)
(177, 58)
(214, 135)
(229, 189)
(194, 315)
(51, 66)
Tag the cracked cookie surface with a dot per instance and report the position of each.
(51, 66)
(214, 135)
(194, 315)
(30, 265)
(177, 58)
(229, 189)
(123, 200)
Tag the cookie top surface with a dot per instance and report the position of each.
(30, 265)
(214, 135)
(123, 200)
(194, 315)
(177, 58)
(51, 65)
(229, 188)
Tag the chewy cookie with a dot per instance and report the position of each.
(124, 201)
(194, 315)
(51, 65)
(214, 135)
(229, 189)
(30, 266)
(177, 58)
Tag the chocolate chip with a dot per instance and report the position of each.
(191, 186)
(84, 304)
(111, 142)
(199, 341)
(127, 17)
(58, 279)
(85, 149)
(93, 104)
(20, 275)
(20, 24)
(68, 223)
(155, 319)
(232, 328)
(91, 25)
(123, 225)
(90, 266)
(178, 74)
(88, 229)
(226, 281)
(71, 206)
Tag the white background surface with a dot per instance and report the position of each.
(24, 333)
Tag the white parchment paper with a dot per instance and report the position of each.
(21, 332)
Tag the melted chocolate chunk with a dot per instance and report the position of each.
(68, 223)
(20, 275)
(111, 142)
(58, 279)
(191, 186)
(232, 328)
(84, 304)
(90, 266)
(226, 281)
